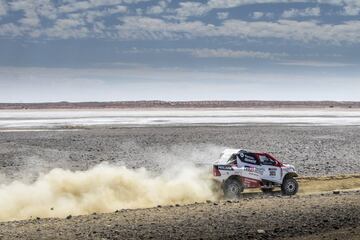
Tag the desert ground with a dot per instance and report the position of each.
(314, 150)
(326, 157)
(324, 216)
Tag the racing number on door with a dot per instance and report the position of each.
(271, 172)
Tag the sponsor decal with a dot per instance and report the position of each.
(249, 160)
(254, 170)
(272, 173)
(225, 167)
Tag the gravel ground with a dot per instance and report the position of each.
(322, 216)
(315, 151)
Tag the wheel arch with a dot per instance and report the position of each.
(234, 177)
(230, 182)
(290, 175)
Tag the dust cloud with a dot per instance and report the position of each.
(103, 188)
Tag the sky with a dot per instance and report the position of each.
(114, 50)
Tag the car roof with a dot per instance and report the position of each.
(236, 150)
(230, 151)
(227, 153)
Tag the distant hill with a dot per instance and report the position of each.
(181, 104)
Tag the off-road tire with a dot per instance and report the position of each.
(233, 188)
(289, 186)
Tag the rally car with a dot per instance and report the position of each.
(239, 169)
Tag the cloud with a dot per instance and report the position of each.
(222, 15)
(92, 21)
(30, 21)
(76, 25)
(75, 6)
(351, 10)
(67, 28)
(93, 16)
(316, 64)
(303, 31)
(3, 8)
(187, 9)
(85, 5)
(214, 53)
(156, 29)
(32, 11)
(215, 4)
(31, 18)
(157, 9)
(46, 8)
(228, 53)
(10, 29)
(258, 15)
(118, 9)
(236, 3)
(307, 12)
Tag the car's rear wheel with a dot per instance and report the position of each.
(290, 186)
(233, 188)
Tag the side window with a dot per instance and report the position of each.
(264, 160)
(248, 158)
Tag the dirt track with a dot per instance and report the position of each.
(267, 217)
(317, 212)
(323, 184)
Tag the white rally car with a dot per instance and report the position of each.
(239, 169)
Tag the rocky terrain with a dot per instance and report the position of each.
(315, 151)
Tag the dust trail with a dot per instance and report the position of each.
(104, 188)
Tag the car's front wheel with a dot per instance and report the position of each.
(233, 188)
(290, 186)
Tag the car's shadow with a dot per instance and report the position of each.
(259, 194)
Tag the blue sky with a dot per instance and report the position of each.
(105, 50)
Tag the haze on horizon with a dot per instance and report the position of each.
(113, 50)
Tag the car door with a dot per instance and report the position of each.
(249, 166)
(271, 172)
